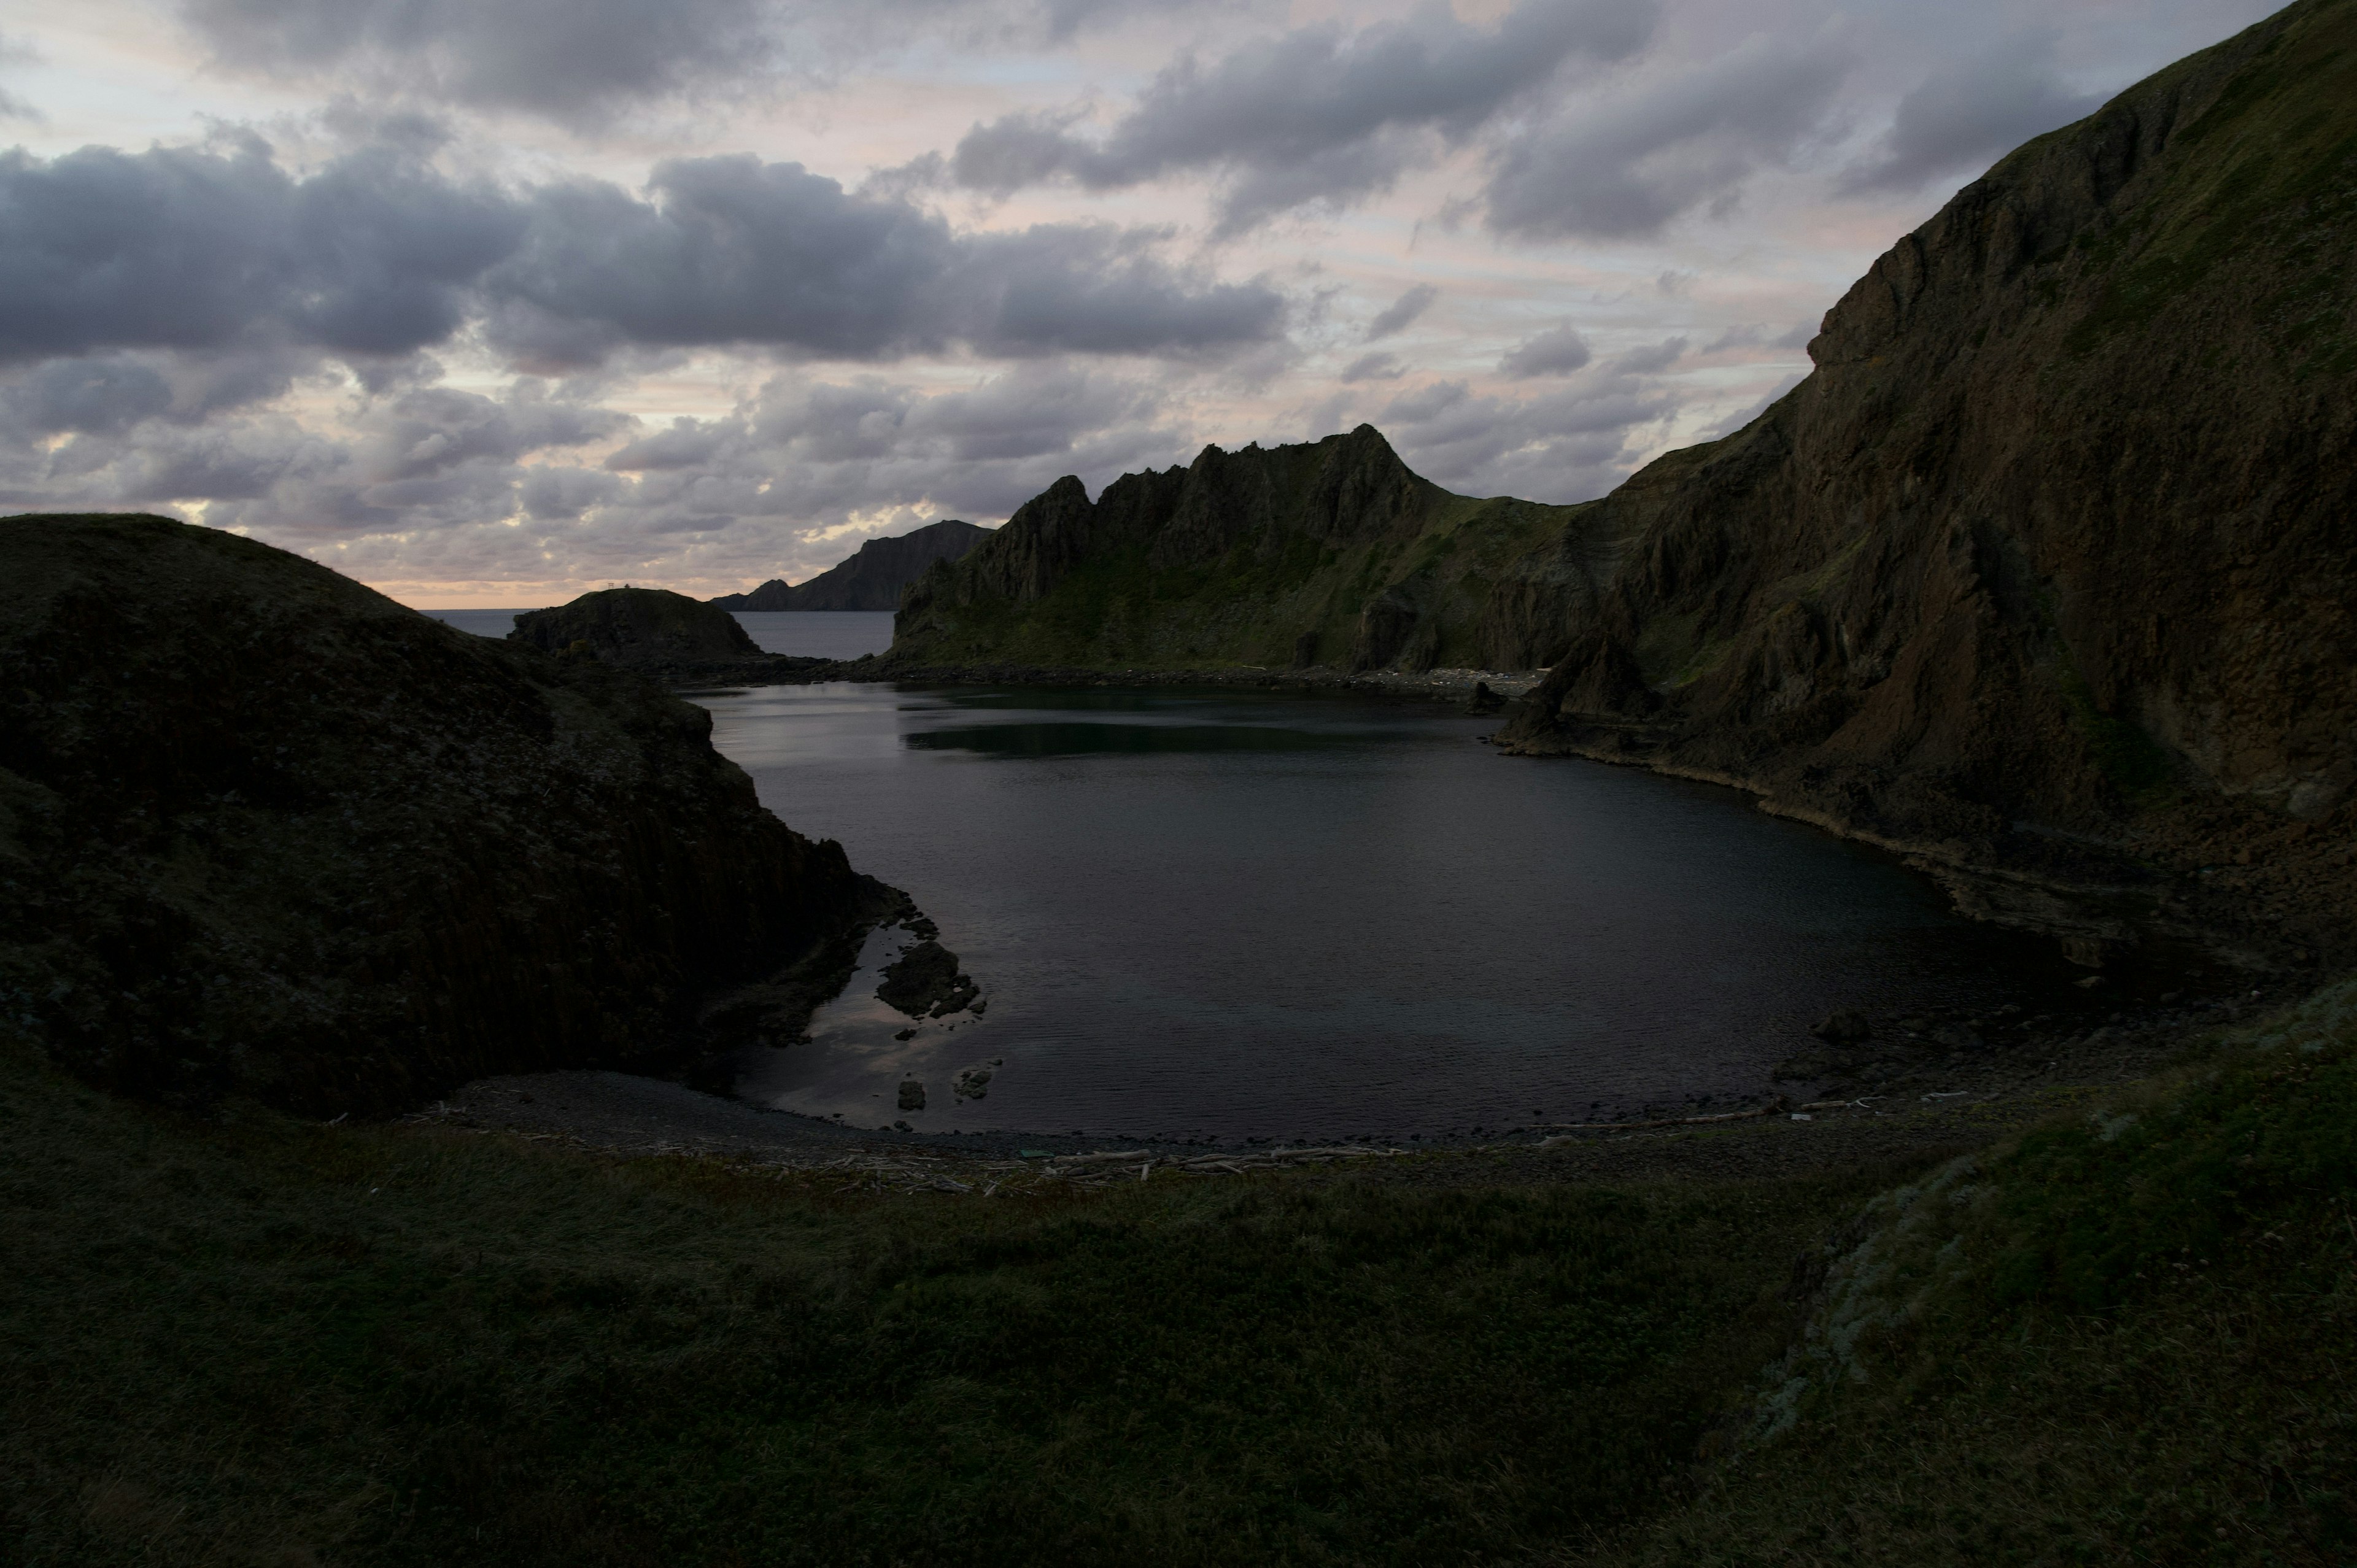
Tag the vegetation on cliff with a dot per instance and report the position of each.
(263, 830)
(2058, 526)
(1329, 554)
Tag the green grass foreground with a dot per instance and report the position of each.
(2118, 1340)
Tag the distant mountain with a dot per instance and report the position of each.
(872, 579)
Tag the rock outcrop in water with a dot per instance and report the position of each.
(265, 831)
(872, 579)
(1326, 554)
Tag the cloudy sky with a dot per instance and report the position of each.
(489, 302)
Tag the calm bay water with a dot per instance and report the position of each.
(808, 634)
(1214, 914)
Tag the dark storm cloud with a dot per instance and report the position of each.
(1319, 114)
(1983, 107)
(1623, 167)
(183, 248)
(1557, 351)
(1401, 314)
(377, 256)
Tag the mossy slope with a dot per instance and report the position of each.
(1330, 552)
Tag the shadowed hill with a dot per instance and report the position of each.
(872, 579)
(637, 627)
(264, 830)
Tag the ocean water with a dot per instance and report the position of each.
(1213, 914)
(809, 634)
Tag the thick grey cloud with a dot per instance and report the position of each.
(1623, 165)
(570, 61)
(185, 248)
(1557, 351)
(378, 255)
(1985, 107)
(1375, 367)
(1320, 114)
(1651, 359)
(1561, 445)
(1401, 314)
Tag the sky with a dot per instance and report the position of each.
(494, 302)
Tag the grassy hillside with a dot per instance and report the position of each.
(2124, 1338)
(1328, 553)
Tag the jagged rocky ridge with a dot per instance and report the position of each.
(1326, 553)
(871, 579)
(265, 831)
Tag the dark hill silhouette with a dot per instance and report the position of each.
(872, 578)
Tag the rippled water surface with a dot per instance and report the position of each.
(1214, 914)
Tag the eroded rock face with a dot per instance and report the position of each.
(2059, 528)
(265, 831)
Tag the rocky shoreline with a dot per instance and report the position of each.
(1920, 1085)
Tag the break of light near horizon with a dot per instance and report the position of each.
(490, 304)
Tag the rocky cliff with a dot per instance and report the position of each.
(871, 579)
(1326, 553)
(263, 830)
(2054, 547)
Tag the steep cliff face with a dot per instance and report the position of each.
(1329, 554)
(2061, 528)
(872, 579)
(264, 830)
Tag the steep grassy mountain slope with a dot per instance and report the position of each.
(263, 830)
(872, 579)
(2061, 525)
(1325, 553)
